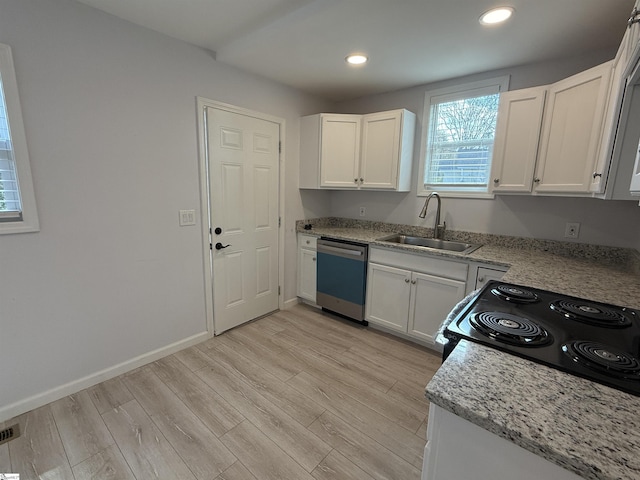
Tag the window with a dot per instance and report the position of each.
(459, 127)
(17, 200)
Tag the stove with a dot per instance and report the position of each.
(593, 340)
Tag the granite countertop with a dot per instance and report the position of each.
(585, 427)
(597, 273)
(588, 428)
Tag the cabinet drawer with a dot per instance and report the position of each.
(307, 241)
(420, 263)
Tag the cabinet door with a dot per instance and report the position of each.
(485, 274)
(340, 151)
(388, 291)
(307, 274)
(571, 131)
(381, 150)
(452, 438)
(516, 143)
(432, 298)
(610, 124)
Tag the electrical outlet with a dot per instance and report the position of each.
(572, 230)
(363, 211)
(187, 217)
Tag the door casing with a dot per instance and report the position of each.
(205, 208)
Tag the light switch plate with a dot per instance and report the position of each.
(187, 217)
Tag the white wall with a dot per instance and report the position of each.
(110, 118)
(615, 223)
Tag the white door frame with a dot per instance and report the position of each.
(205, 212)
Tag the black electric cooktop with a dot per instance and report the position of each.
(593, 340)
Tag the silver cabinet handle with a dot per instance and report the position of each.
(596, 175)
(308, 242)
(496, 180)
(413, 282)
(314, 259)
(355, 180)
(536, 180)
(361, 180)
(406, 280)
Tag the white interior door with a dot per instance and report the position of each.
(243, 153)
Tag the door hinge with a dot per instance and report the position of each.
(279, 222)
(278, 289)
(279, 147)
(211, 246)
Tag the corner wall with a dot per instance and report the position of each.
(110, 119)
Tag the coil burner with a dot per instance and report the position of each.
(514, 294)
(511, 329)
(603, 358)
(593, 314)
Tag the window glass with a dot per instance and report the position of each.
(17, 200)
(458, 138)
(10, 203)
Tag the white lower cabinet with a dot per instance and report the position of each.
(412, 294)
(459, 449)
(432, 298)
(486, 274)
(388, 295)
(307, 269)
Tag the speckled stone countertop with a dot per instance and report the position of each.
(603, 274)
(585, 427)
(588, 428)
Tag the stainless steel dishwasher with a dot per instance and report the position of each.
(342, 277)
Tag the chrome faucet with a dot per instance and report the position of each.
(438, 229)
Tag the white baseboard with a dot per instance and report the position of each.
(56, 393)
(290, 303)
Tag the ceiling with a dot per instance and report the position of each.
(303, 43)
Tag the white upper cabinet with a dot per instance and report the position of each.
(571, 131)
(373, 151)
(340, 151)
(548, 138)
(631, 40)
(387, 150)
(602, 170)
(516, 141)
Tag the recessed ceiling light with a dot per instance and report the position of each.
(496, 15)
(357, 59)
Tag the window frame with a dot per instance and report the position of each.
(488, 86)
(28, 221)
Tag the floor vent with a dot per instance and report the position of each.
(9, 433)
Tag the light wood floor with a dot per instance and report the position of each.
(295, 395)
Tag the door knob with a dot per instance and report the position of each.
(217, 231)
(220, 246)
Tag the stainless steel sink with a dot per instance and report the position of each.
(435, 243)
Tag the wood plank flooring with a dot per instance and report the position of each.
(296, 395)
